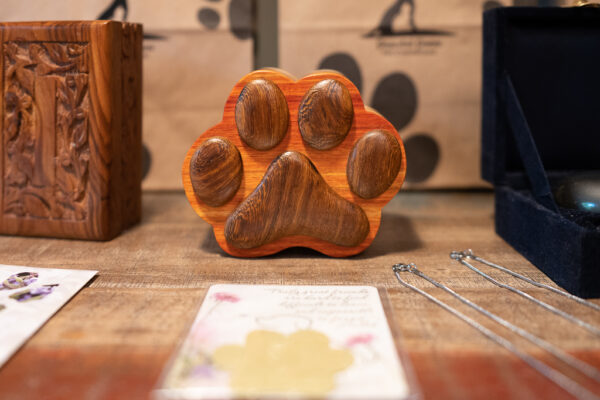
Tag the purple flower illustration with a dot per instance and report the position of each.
(19, 280)
(202, 371)
(37, 293)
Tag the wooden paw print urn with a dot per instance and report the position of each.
(294, 163)
(71, 128)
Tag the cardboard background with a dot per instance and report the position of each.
(194, 53)
(426, 82)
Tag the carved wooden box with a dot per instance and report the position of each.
(295, 163)
(71, 128)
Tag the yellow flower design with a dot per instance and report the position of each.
(272, 363)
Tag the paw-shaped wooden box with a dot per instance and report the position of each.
(294, 163)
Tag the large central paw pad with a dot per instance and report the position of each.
(294, 163)
(288, 201)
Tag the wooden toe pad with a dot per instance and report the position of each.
(216, 171)
(294, 163)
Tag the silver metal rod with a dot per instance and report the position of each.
(568, 359)
(555, 376)
(591, 328)
(469, 254)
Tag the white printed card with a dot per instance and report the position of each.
(29, 297)
(253, 341)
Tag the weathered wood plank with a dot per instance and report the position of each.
(113, 338)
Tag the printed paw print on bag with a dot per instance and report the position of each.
(395, 96)
(295, 163)
(238, 11)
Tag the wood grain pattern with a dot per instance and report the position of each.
(331, 164)
(373, 164)
(216, 171)
(131, 124)
(113, 339)
(71, 128)
(293, 199)
(261, 114)
(325, 114)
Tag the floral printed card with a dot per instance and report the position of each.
(253, 341)
(29, 297)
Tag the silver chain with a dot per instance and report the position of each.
(469, 254)
(555, 376)
(461, 256)
(575, 363)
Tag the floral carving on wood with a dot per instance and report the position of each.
(45, 130)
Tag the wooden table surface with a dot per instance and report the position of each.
(114, 337)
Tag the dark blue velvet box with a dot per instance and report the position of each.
(541, 123)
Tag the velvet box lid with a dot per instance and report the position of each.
(541, 123)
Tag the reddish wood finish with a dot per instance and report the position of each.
(330, 164)
(71, 128)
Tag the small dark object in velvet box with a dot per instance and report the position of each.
(581, 192)
(541, 128)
